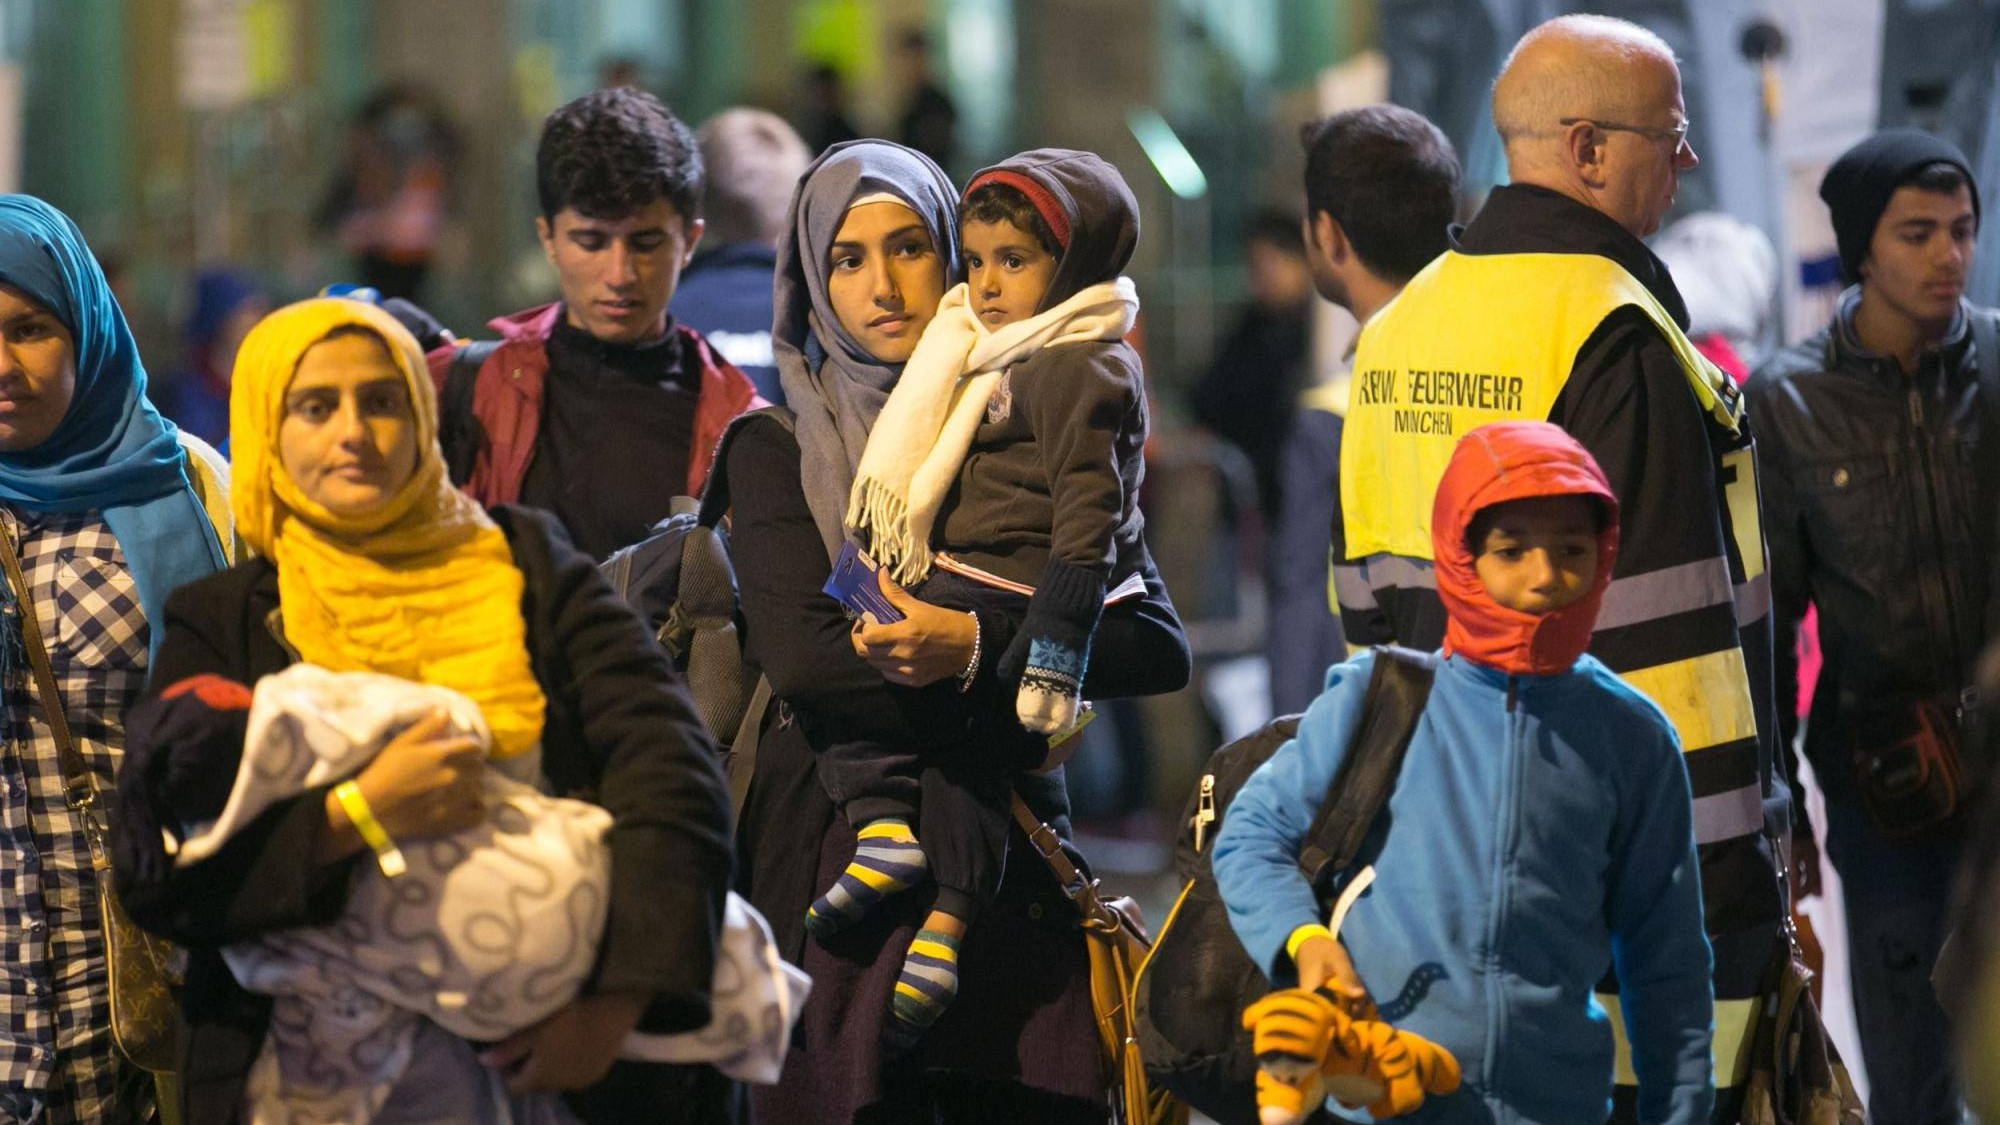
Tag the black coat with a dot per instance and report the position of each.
(620, 731)
(1874, 513)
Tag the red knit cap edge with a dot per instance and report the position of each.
(1040, 197)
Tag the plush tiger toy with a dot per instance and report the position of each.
(1309, 1049)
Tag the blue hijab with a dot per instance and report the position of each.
(112, 452)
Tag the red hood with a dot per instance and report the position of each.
(1494, 464)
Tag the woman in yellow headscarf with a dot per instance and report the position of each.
(369, 560)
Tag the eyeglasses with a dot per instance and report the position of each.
(1678, 134)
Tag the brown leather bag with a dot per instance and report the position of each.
(1115, 935)
(1796, 1077)
(142, 969)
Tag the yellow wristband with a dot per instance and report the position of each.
(1085, 716)
(387, 854)
(1301, 935)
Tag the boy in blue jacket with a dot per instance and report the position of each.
(1540, 833)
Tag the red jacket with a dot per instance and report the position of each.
(507, 400)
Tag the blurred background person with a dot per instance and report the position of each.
(1247, 394)
(753, 160)
(929, 122)
(227, 302)
(1727, 272)
(389, 203)
(825, 122)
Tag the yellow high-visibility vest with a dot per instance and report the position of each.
(1473, 339)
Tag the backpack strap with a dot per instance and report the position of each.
(715, 493)
(459, 431)
(1398, 688)
(741, 765)
(742, 760)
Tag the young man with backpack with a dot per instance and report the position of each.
(598, 407)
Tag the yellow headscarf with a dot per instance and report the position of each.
(426, 588)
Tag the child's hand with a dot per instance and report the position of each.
(1045, 712)
(426, 781)
(1323, 965)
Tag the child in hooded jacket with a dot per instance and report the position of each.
(1002, 479)
(1540, 832)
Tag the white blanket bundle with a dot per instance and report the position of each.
(489, 931)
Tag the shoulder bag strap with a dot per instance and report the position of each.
(1076, 886)
(1397, 690)
(79, 786)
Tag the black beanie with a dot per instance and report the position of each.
(1858, 186)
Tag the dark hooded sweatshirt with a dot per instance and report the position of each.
(1049, 493)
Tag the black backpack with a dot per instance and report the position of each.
(680, 580)
(459, 433)
(1191, 992)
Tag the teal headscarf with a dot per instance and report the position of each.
(112, 452)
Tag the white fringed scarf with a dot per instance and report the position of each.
(926, 429)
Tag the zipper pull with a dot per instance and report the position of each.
(1204, 812)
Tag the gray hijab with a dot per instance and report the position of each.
(834, 387)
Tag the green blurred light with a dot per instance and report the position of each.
(1171, 159)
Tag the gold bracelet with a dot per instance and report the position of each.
(387, 854)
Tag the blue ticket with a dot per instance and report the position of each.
(854, 586)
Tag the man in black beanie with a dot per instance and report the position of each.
(1879, 473)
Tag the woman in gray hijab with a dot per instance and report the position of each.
(870, 247)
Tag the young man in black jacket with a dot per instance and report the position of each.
(1879, 507)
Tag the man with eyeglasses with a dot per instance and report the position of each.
(1548, 306)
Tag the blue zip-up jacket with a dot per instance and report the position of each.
(1541, 831)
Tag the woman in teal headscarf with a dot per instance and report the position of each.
(107, 507)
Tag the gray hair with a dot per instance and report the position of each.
(754, 163)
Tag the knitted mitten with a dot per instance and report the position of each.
(1052, 650)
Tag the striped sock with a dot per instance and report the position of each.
(925, 989)
(887, 859)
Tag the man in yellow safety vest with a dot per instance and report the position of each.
(1549, 306)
